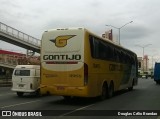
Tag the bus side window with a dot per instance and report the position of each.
(121, 56)
(111, 53)
(94, 44)
(102, 51)
(116, 55)
(96, 48)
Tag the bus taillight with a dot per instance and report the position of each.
(85, 74)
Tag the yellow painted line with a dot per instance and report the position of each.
(19, 104)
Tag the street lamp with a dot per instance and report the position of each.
(152, 60)
(119, 29)
(143, 46)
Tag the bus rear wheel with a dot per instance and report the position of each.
(110, 90)
(104, 92)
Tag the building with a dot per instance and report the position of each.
(143, 65)
(9, 59)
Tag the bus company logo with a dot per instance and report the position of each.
(61, 41)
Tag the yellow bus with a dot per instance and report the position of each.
(76, 62)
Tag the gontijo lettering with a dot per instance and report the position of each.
(115, 67)
(62, 57)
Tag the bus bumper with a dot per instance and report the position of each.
(65, 91)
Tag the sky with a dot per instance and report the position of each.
(33, 17)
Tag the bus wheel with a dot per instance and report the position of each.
(20, 94)
(110, 90)
(104, 92)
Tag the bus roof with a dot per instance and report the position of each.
(62, 29)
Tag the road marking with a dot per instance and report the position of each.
(76, 110)
(19, 104)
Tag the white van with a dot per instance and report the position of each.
(26, 79)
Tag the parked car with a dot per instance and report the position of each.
(144, 76)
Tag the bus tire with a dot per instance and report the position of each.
(104, 92)
(110, 90)
(20, 94)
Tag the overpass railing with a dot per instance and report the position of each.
(18, 34)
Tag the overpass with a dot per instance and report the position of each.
(18, 38)
(7, 65)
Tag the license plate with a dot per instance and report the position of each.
(21, 85)
(60, 88)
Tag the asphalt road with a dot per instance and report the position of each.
(145, 96)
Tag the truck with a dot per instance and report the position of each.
(157, 72)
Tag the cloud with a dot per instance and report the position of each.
(35, 16)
